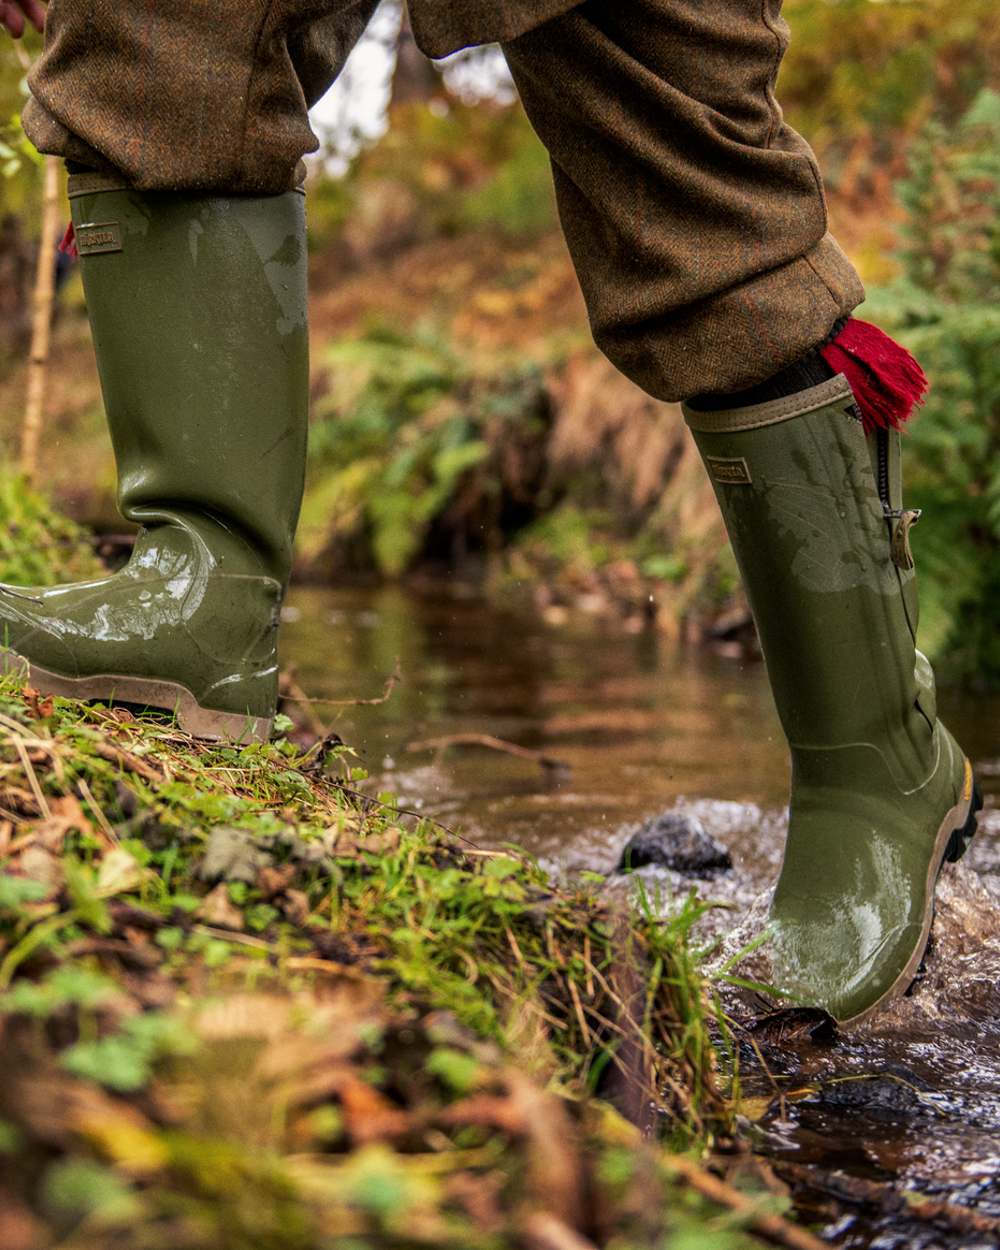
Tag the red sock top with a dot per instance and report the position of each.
(887, 382)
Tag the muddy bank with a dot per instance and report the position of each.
(244, 1005)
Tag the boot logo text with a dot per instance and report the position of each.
(729, 471)
(98, 236)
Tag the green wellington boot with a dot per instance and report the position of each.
(881, 793)
(198, 311)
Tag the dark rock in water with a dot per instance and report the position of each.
(676, 841)
(885, 1094)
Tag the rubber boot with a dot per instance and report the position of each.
(198, 311)
(881, 793)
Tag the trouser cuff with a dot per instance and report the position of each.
(743, 335)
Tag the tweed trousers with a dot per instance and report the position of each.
(695, 216)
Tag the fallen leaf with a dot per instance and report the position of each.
(126, 1139)
(119, 872)
(368, 1115)
(275, 880)
(218, 909)
(39, 707)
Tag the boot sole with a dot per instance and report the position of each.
(166, 696)
(956, 832)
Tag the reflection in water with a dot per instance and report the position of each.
(644, 727)
(638, 725)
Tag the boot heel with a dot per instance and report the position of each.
(960, 839)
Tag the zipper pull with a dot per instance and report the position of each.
(903, 522)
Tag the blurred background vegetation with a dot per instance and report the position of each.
(463, 423)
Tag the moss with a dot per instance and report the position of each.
(39, 546)
(244, 1004)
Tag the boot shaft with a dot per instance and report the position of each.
(199, 316)
(809, 505)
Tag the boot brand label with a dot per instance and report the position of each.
(98, 236)
(731, 472)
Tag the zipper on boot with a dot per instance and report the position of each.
(900, 520)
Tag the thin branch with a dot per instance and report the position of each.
(548, 762)
(41, 320)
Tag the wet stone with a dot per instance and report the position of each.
(675, 840)
(878, 1095)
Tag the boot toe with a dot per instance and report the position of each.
(852, 910)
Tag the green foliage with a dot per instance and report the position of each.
(570, 537)
(124, 1061)
(19, 161)
(518, 198)
(862, 75)
(40, 546)
(408, 429)
(67, 986)
(77, 1188)
(439, 173)
(946, 307)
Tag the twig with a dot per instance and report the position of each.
(409, 811)
(391, 682)
(29, 772)
(128, 761)
(773, 1227)
(859, 1190)
(41, 321)
(548, 762)
(294, 693)
(88, 797)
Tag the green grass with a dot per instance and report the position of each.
(243, 1005)
(39, 545)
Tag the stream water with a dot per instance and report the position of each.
(642, 727)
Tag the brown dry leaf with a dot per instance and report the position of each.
(218, 909)
(66, 816)
(20, 801)
(275, 880)
(487, 1111)
(368, 1115)
(353, 843)
(244, 1015)
(333, 1036)
(42, 866)
(295, 906)
(38, 707)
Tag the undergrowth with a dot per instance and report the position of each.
(40, 545)
(244, 1005)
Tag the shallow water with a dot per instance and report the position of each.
(642, 727)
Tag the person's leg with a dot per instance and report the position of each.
(189, 96)
(192, 245)
(697, 223)
(695, 216)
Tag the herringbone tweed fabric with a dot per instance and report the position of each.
(695, 216)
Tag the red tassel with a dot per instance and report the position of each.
(68, 244)
(887, 382)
